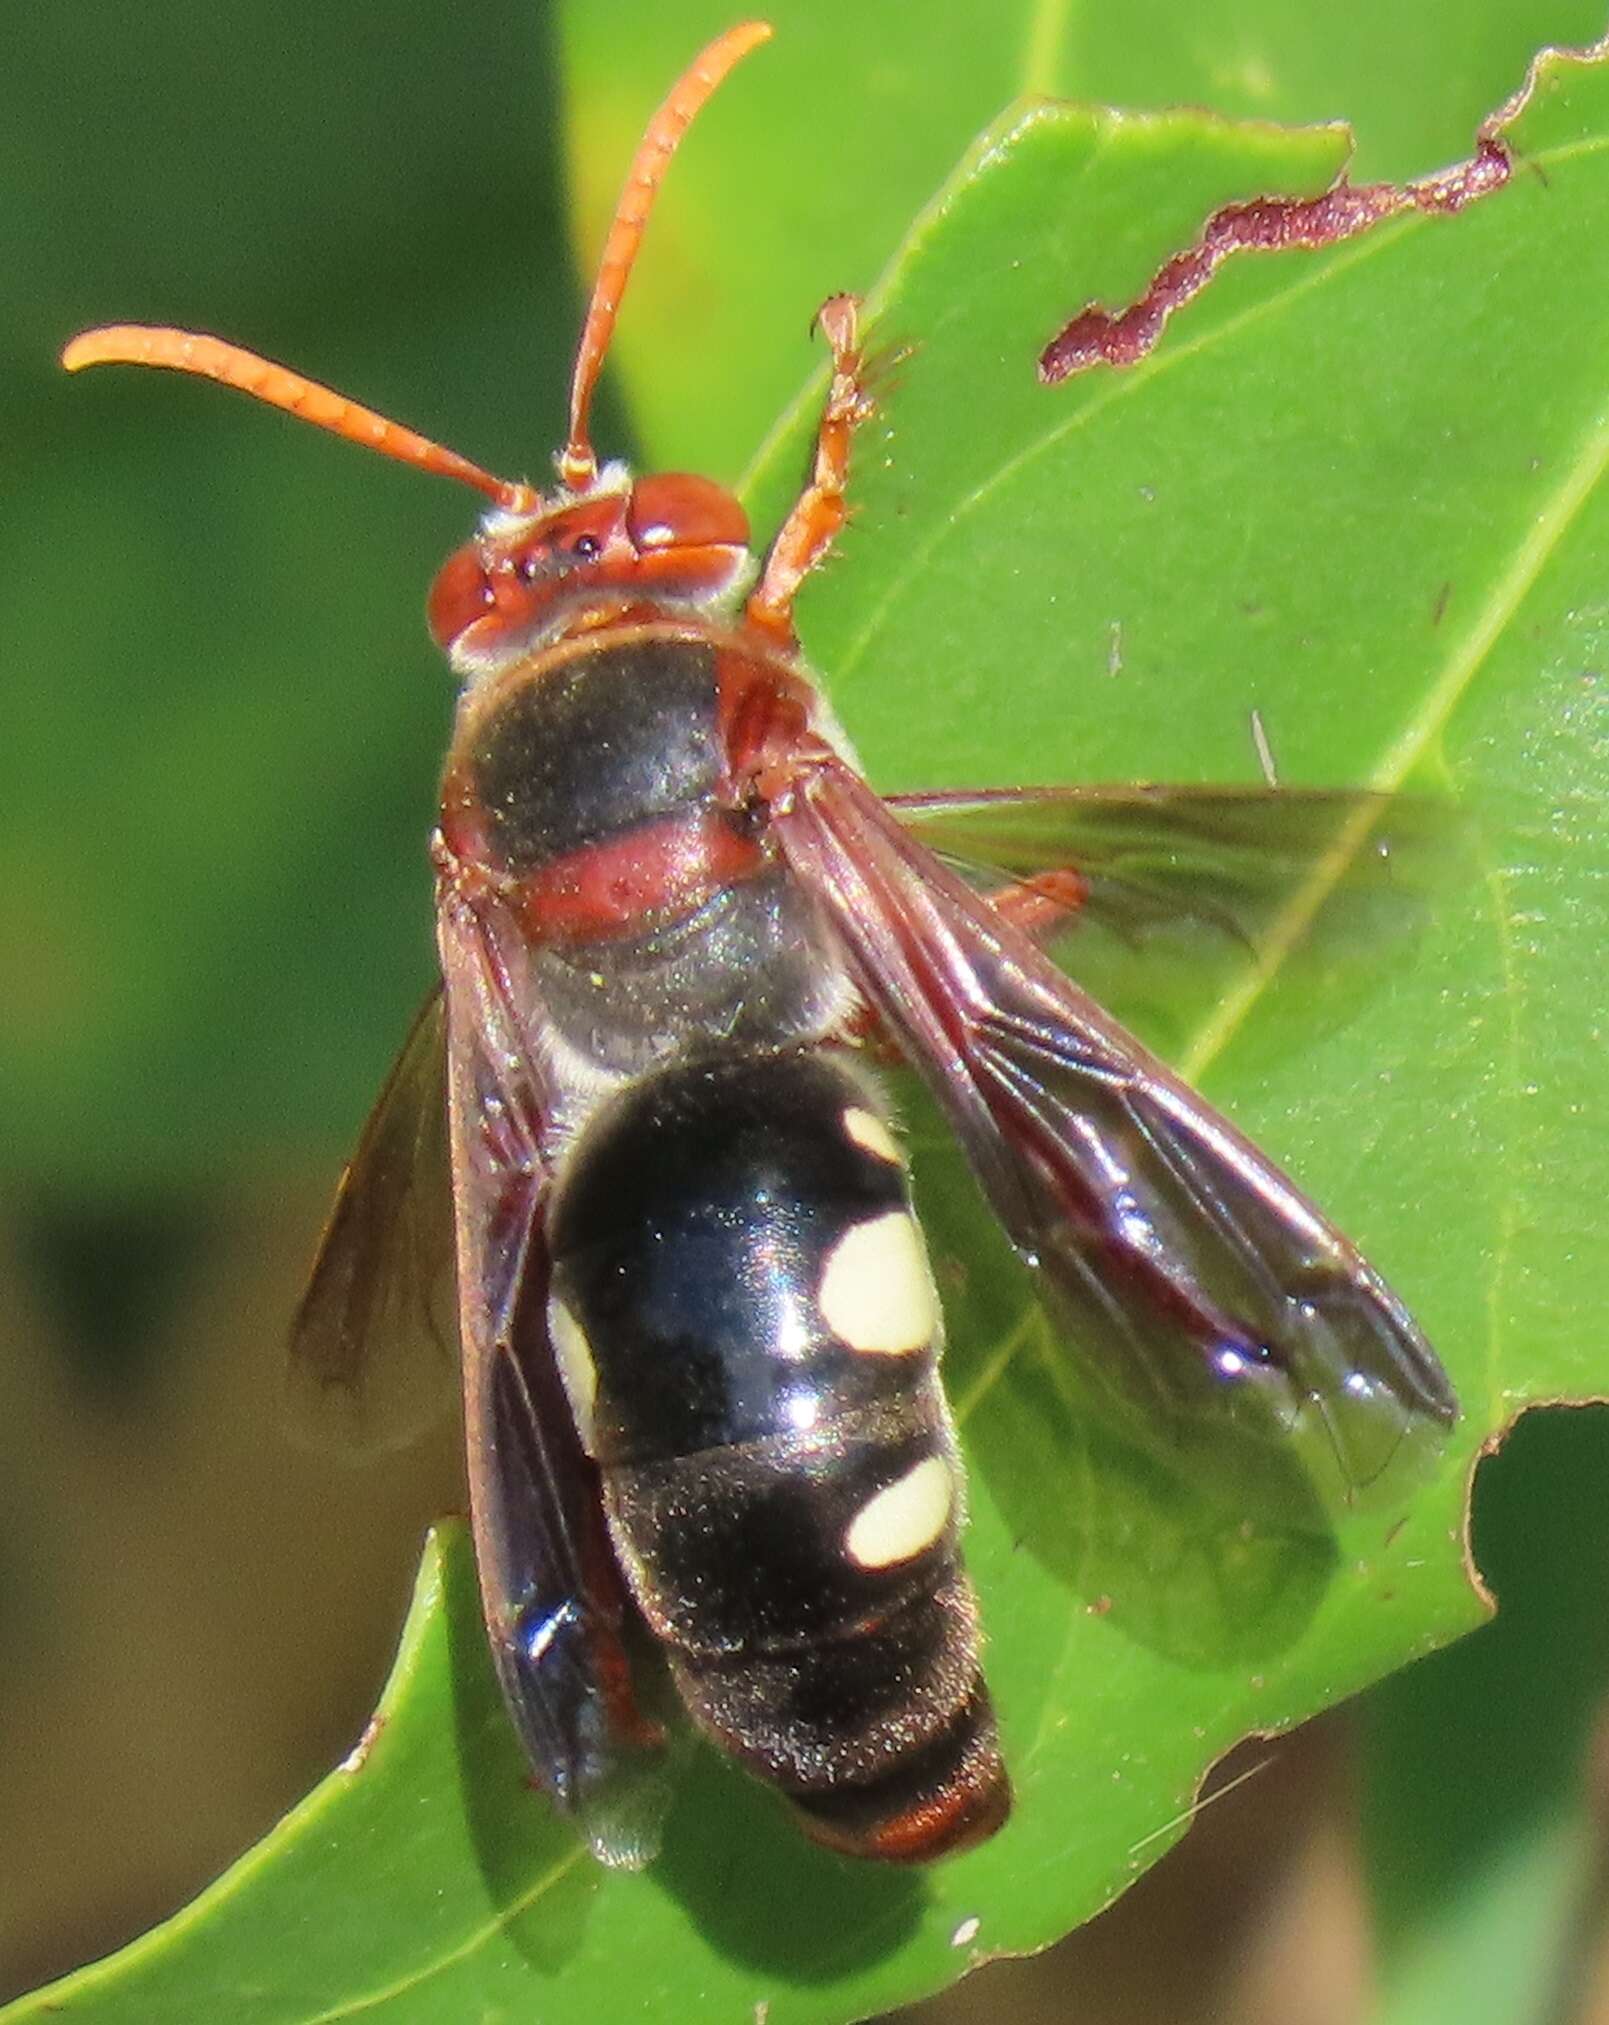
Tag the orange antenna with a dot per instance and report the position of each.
(578, 466)
(134, 344)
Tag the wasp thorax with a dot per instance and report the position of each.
(670, 538)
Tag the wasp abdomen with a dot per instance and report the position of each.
(749, 1331)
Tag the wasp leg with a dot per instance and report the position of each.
(1042, 904)
(811, 528)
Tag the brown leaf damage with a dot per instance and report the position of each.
(1273, 224)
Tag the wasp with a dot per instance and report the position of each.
(700, 1335)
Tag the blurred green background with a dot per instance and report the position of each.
(222, 727)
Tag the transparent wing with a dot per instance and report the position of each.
(1212, 1305)
(1181, 889)
(557, 1613)
(374, 1344)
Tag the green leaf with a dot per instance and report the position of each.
(1360, 491)
(768, 212)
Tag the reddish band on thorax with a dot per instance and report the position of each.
(626, 883)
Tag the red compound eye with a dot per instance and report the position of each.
(460, 595)
(678, 509)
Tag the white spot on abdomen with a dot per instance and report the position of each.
(905, 1519)
(876, 1291)
(576, 1368)
(869, 1132)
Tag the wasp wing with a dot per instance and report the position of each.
(557, 1613)
(374, 1343)
(1177, 892)
(1220, 1314)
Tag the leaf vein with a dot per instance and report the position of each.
(1413, 742)
(504, 1918)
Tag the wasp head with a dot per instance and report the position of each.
(672, 538)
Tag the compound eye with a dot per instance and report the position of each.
(678, 509)
(460, 595)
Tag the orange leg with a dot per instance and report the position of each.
(1042, 904)
(811, 528)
